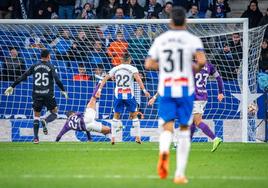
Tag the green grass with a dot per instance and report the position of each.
(128, 165)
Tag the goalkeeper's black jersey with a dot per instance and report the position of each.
(44, 75)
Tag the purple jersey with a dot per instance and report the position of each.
(74, 122)
(201, 78)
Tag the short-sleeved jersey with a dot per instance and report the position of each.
(174, 51)
(43, 79)
(76, 122)
(201, 81)
(124, 78)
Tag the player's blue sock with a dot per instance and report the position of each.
(36, 128)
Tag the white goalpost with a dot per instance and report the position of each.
(94, 47)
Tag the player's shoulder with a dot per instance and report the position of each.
(123, 66)
(210, 66)
(49, 64)
(177, 33)
(130, 67)
(188, 35)
(36, 66)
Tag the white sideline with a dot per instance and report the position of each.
(82, 176)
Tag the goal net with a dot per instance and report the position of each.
(84, 51)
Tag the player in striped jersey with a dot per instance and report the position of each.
(172, 53)
(124, 75)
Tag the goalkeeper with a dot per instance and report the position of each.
(84, 122)
(200, 102)
(44, 75)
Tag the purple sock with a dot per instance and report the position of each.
(95, 90)
(204, 127)
(192, 128)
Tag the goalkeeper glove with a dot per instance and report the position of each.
(65, 94)
(9, 91)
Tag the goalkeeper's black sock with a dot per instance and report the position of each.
(36, 128)
(51, 117)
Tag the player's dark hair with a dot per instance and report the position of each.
(44, 53)
(178, 15)
(69, 113)
(126, 56)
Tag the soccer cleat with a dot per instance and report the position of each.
(163, 164)
(217, 141)
(36, 141)
(44, 125)
(180, 180)
(138, 140)
(113, 141)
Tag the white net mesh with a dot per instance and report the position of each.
(95, 48)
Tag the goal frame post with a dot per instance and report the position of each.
(245, 30)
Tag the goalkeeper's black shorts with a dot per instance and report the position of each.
(40, 101)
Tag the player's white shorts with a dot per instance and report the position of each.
(90, 122)
(199, 107)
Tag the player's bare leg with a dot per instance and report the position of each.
(198, 121)
(50, 116)
(36, 126)
(136, 126)
(164, 145)
(183, 150)
(92, 103)
(115, 126)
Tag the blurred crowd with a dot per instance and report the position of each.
(131, 9)
(111, 43)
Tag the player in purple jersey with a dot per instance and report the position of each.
(72, 124)
(201, 98)
(200, 102)
(84, 122)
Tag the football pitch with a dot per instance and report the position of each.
(128, 165)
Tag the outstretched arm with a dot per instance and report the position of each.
(23, 77)
(138, 79)
(63, 131)
(153, 99)
(107, 77)
(9, 90)
(59, 83)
